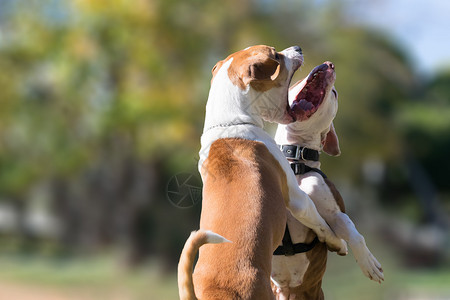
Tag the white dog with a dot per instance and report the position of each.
(299, 264)
(247, 181)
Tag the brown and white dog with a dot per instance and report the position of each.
(314, 102)
(247, 181)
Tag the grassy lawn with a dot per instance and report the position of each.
(102, 278)
(93, 278)
(344, 280)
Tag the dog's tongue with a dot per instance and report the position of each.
(305, 105)
(301, 109)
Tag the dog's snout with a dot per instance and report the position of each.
(294, 56)
(295, 49)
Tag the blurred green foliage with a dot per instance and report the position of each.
(103, 102)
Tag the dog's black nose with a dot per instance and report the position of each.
(330, 64)
(298, 49)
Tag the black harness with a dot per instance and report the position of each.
(288, 248)
(297, 153)
(300, 169)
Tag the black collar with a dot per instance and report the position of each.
(298, 153)
(295, 152)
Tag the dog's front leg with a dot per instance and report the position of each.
(304, 210)
(345, 229)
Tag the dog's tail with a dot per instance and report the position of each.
(186, 263)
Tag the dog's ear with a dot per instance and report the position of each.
(262, 72)
(331, 142)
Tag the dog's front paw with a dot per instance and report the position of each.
(333, 243)
(370, 265)
(341, 250)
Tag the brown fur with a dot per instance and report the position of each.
(244, 198)
(258, 66)
(311, 288)
(194, 242)
(331, 142)
(215, 69)
(337, 196)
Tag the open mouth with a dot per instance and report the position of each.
(309, 94)
(294, 54)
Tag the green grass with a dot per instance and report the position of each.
(97, 276)
(344, 279)
(102, 276)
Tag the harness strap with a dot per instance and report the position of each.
(300, 169)
(288, 248)
(295, 152)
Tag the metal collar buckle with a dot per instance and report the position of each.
(299, 153)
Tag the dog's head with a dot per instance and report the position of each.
(314, 104)
(260, 76)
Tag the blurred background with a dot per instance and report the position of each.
(101, 111)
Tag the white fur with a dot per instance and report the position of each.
(309, 133)
(229, 113)
(214, 238)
